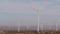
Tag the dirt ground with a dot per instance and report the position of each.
(30, 33)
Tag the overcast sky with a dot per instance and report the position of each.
(13, 12)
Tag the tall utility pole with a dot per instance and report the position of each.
(37, 11)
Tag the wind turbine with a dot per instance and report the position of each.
(58, 20)
(56, 24)
(18, 25)
(37, 11)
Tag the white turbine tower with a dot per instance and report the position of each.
(37, 10)
(56, 24)
(18, 27)
(18, 24)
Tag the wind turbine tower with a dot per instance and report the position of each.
(37, 11)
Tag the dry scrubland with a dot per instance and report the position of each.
(30, 33)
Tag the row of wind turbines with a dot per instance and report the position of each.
(37, 10)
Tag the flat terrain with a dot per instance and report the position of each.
(30, 33)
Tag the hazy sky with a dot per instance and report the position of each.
(22, 11)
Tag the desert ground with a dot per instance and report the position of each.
(29, 33)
